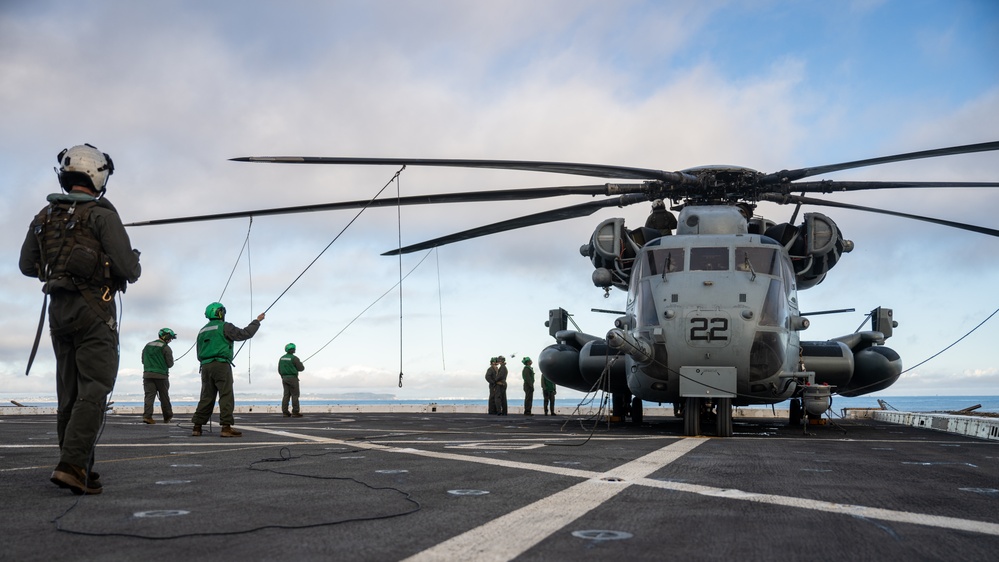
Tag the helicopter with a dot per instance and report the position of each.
(712, 318)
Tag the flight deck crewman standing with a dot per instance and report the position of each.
(528, 374)
(79, 249)
(288, 367)
(501, 374)
(215, 353)
(548, 390)
(157, 358)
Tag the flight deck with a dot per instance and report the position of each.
(472, 486)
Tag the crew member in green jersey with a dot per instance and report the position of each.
(528, 374)
(215, 353)
(157, 358)
(548, 390)
(288, 367)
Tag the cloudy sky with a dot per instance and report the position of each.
(172, 90)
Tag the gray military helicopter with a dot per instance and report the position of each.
(712, 318)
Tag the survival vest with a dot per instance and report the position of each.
(68, 246)
(153, 360)
(212, 343)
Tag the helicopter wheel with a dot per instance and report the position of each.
(724, 419)
(636, 410)
(692, 417)
(794, 415)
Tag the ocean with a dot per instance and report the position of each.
(901, 403)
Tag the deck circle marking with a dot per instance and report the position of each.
(601, 535)
(468, 492)
(161, 513)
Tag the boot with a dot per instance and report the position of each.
(229, 431)
(197, 431)
(150, 421)
(75, 478)
(296, 415)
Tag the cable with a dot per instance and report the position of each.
(314, 260)
(285, 455)
(398, 211)
(366, 205)
(246, 242)
(440, 304)
(366, 309)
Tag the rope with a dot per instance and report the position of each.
(390, 289)
(398, 211)
(246, 242)
(440, 304)
(364, 208)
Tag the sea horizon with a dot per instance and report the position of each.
(936, 403)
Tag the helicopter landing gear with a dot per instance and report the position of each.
(636, 410)
(692, 417)
(794, 414)
(723, 420)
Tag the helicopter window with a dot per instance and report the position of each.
(645, 305)
(774, 311)
(763, 260)
(709, 259)
(663, 261)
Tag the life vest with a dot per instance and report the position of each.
(212, 343)
(286, 366)
(153, 360)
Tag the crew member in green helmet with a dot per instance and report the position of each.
(157, 358)
(215, 353)
(528, 374)
(288, 367)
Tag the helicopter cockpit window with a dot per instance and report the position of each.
(658, 262)
(709, 259)
(758, 260)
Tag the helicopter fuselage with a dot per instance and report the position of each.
(719, 312)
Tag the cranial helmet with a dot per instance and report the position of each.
(290, 348)
(525, 360)
(167, 334)
(84, 165)
(215, 311)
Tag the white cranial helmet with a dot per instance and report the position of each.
(84, 165)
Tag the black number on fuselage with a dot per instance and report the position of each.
(708, 329)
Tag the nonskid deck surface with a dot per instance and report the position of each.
(377, 486)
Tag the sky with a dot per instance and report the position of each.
(173, 90)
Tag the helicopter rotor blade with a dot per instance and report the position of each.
(579, 169)
(829, 186)
(465, 197)
(791, 175)
(785, 199)
(564, 213)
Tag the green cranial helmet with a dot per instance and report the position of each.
(215, 311)
(290, 348)
(525, 360)
(166, 334)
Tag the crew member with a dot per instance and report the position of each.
(501, 374)
(157, 358)
(548, 391)
(491, 379)
(288, 367)
(528, 374)
(79, 249)
(215, 353)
